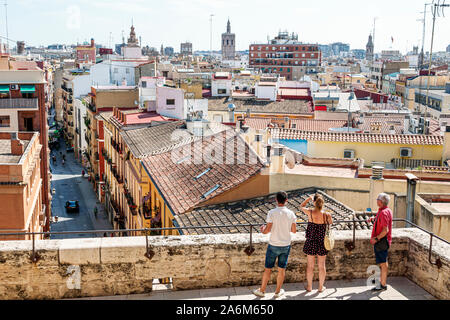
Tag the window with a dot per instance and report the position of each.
(4, 121)
(221, 91)
(281, 69)
(303, 55)
(253, 48)
(128, 70)
(170, 102)
(116, 70)
(252, 54)
(288, 69)
(296, 62)
(27, 95)
(312, 55)
(144, 84)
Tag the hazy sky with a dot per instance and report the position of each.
(170, 22)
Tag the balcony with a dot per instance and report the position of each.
(91, 107)
(69, 90)
(32, 104)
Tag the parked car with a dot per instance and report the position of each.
(72, 206)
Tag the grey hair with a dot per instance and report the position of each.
(384, 198)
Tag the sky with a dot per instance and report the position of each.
(170, 22)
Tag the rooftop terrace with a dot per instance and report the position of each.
(5, 152)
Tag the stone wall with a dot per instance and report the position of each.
(117, 266)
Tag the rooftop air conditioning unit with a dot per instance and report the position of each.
(349, 154)
(14, 87)
(406, 152)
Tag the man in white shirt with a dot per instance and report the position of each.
(280, 223)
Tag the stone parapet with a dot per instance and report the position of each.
(118, 266)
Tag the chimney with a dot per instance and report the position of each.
(268, 151)
(277, 163)
(258, 144)
(115, 112)
(17, 146)
(410, 196)
(92, 43)
(376, 187)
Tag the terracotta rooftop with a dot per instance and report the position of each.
(187, 183)
(254, 211)
(154, 139)
(258, 106)
(293, 134)
(24, 65)
(301, 124)
(6, 157)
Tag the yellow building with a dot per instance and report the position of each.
(403, 150)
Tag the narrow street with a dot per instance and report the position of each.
(70, 185)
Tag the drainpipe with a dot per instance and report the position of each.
(410, 197)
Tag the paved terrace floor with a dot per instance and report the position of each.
(399, 288)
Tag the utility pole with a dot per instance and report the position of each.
(422, 54)
(210, 39)
(435, 11)
(7, 32)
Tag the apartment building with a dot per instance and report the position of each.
(23, 207)
(23, 107)
(381, 68)
(102, 99)
(286, 56)
(186, 49)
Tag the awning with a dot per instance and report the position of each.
(4, 88)
(27, 88)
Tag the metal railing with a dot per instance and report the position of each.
(350, 245)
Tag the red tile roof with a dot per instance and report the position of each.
(291, 134)
(144, 117)
(301, 124)
(177, 181)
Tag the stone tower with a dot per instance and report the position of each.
(228, 44)
(132, 40)
(369, 49)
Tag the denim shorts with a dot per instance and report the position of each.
(272, 253)
(380, 256)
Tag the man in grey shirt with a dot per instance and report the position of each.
(280, 223)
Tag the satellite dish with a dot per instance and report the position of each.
(290, 160)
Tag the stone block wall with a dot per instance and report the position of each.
(117, 266)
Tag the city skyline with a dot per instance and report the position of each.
(170, 22)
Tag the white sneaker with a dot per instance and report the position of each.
(258, 293)
(279, 294)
